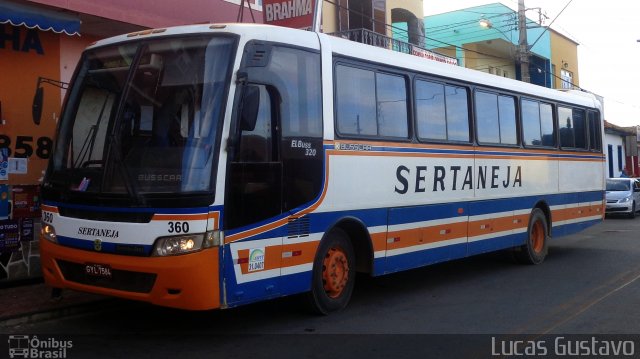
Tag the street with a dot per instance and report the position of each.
(587, 285)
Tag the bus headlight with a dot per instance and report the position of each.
(171, 246)
(176, 245)
(49, 233)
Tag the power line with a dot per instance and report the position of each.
(547, 27)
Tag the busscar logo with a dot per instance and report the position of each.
(25, 346)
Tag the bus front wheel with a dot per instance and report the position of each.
(535, 248)
(333, 273)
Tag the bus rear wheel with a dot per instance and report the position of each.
(333, 273)
(536, 247)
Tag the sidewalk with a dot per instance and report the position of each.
(32, 302)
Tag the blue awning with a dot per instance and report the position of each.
(43, 19)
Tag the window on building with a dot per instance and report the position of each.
(496, 118)
(567, 79)
(620, 158)
(370, 103)
(442, 112)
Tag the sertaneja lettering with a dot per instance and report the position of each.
(491, 177)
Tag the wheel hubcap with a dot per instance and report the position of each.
(335, 272)
(537, 236)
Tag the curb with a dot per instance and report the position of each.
(54, 313)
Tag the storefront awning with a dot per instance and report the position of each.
(43, 19)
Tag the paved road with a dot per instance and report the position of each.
(589, 284)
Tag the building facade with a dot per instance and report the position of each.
(485, 38)
(615, 148)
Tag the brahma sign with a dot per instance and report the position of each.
(292, 13)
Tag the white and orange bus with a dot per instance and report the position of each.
(211, 166)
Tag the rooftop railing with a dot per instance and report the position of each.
(369, 37)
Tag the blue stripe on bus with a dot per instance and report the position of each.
(320, 222)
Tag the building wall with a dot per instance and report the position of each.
(462, 29)
(330, 20)
(35, 53)
(158, 13)
(613, 159)
(564, 55)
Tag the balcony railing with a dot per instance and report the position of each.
(373, 38)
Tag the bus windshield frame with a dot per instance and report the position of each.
(143, 121)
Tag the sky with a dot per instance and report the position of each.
(608, 54)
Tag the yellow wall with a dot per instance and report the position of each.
(564, 51)
(476, 61)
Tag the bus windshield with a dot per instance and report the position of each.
(143, 118)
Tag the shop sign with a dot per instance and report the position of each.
(9, 236)
(10, 38)
(297, 14)
(26, 201)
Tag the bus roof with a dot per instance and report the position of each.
(366, 53)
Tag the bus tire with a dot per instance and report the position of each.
(333, 274)
(536, 247)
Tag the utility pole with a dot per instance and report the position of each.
(523, 46)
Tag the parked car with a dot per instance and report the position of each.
(623, 196)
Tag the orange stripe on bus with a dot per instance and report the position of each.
(571, 213)
(272, 257)
(179, 217)
(215, 216)
(379, 241)
(301, 253)
(492, 225)
(424, 235)
(44, 207)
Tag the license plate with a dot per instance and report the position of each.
(98, 270)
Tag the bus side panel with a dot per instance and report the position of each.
(573, 212)
(422, 235)
(492, 226)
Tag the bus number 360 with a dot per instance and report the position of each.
(178, 227)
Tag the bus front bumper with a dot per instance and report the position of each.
(189, 281)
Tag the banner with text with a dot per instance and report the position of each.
(297, 14)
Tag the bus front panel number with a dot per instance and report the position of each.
(47, 217)
(178, 227)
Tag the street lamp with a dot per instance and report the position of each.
(486, 23)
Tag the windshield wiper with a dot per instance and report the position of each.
(130, 186)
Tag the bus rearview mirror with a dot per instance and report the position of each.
(250, 106)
